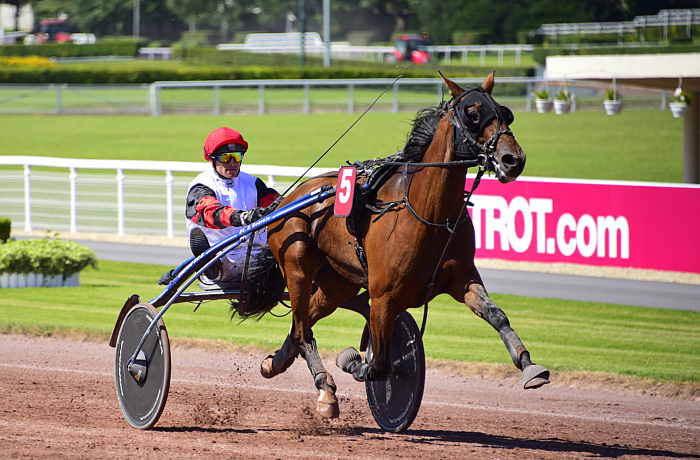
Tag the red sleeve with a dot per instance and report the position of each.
(205, 210)
(268, 199)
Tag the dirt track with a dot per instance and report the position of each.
(59, 401)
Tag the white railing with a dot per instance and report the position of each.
(664, 19)
(45, 193)
(225, 97)
(155, 101)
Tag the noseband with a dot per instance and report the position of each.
(466, 132)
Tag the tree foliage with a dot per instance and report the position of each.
(494, 21)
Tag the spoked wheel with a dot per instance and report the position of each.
(395, 402)
(143, 391)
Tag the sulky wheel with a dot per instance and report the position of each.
(395, 402)
(143, 391)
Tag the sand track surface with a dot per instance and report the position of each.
(59, 401)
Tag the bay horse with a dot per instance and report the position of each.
(420, 245)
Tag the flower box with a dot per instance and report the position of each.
(562, 107)
(543, 105)
(43, 263)
(678, 109)
(30, 280)
(612, 107)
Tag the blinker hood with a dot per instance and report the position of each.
(466, 132)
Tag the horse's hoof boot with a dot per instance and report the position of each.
(327, 405)
(534, 376)
(266, 368)
(347, 359)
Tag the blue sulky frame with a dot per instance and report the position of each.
(142, 377)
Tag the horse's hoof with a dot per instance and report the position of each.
(534, 376)
(266, 368)
(348, 359)
(327, 404)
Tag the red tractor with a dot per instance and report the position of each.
(412, 48)
(51, 30)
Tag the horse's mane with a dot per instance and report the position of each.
(424, 126)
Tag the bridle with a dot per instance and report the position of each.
(466, 132)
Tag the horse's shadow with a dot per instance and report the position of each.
(562, 446)
(199, 429)
(554, 445)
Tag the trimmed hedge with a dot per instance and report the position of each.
(64, 50)
(48, 256)
(115, 75)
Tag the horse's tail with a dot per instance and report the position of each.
(264, 286)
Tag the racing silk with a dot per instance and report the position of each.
(212, 202)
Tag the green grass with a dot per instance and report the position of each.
(585, 144)
(561, 335)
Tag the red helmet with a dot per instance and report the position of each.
(222, 136)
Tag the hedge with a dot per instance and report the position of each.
(64, 50)
(115, 75)
(48, 256)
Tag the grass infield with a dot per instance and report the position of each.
(583, 145)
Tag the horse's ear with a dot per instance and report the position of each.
(455, 89)
(488, 82)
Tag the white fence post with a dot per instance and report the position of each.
(396, 99)
(261, 100)
(27, 198)
(72, 179)
(154, 99)
(169, 202)
(120, 201)
(217, 100)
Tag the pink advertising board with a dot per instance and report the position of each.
(604, 223)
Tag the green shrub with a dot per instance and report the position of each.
(5, 226)
(48, 256)
(101, 48)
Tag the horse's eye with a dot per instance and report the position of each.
(473, 116)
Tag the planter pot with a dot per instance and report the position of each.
(562, 107)
(612, 107)
(678, 109)
(543, 105)
(30, 280)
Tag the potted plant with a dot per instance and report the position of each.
(43, 263)
(680, 102)
(542, 101)
(612, 102)
(562, 102)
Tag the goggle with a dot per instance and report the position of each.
(229, 156)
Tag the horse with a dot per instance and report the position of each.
(417, 241)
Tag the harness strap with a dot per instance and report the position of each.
(243, 299)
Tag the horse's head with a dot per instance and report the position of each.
(481, 130)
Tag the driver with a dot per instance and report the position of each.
(220, 201)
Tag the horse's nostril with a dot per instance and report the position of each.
(510, 160)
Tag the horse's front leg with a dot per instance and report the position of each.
(478, 300)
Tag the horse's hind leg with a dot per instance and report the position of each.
(478, 300)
